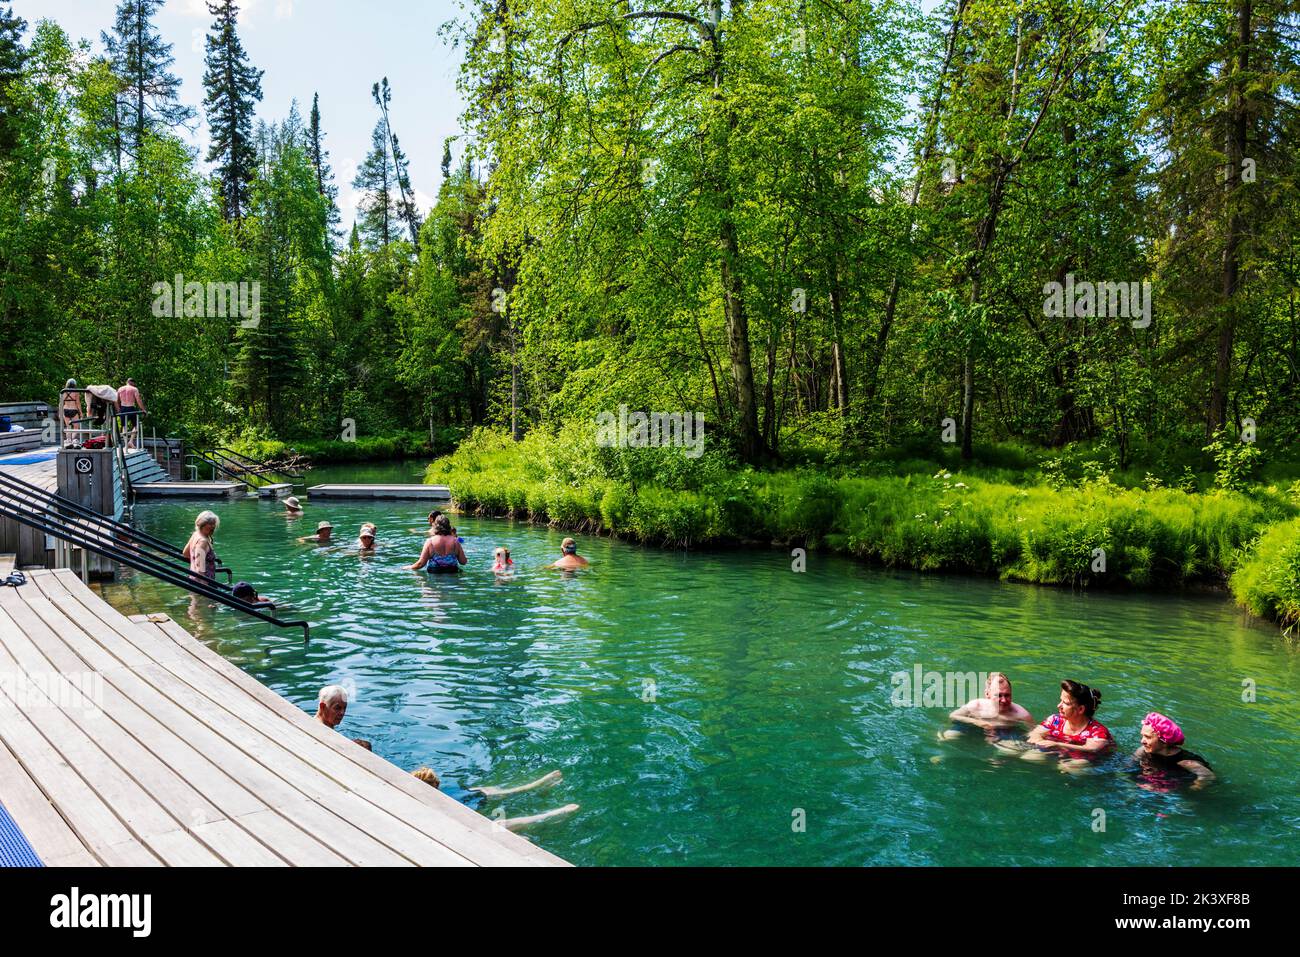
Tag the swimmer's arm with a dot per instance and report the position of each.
(966, 713)
(423, 559)
(1037, 736)
(1203, 774)
(460, 555)
(1094, 744)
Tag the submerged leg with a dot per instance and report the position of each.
(516, 823)
(545, 781)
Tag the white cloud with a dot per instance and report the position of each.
(283, 9)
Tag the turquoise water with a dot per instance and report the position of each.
(703, 706)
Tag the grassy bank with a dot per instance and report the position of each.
(376, 448)
(1022, 526)
(1267, 579)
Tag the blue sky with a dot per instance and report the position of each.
(337, 48)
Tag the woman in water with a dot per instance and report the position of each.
(366, 540)
(198, 550)
(503, 562)
(1162, 762)
(442, 551)
(1072, 730)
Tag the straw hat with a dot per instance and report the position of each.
(322, 526)
(292, 502)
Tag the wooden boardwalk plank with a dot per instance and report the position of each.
(187, 760)
(309, 766)
(466, 828)
(279, 776)
(147, 819)
(467, 817)
(145, 748)
(50, 836)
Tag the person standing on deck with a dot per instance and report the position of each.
(198, 550)
(130, 406)
(74, 411)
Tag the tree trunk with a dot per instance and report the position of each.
(1235, 153)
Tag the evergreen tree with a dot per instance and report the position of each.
(377, 179)
(233, 87)
(320, 161)
(147, 97)
(12, 56)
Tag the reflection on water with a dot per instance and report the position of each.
(703, 706)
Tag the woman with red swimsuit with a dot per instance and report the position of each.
(1072, 730)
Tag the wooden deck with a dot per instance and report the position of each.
(190, 490)
(436, 493)
(183, 759)
(43, 474)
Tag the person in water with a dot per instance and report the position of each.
(332, 706)
(292, 507)
(1163, 763)
(366, 540)
(442, 552)
(502, 560)
(322, 537)
(247, 593)
(198, 550)
(1072, 730)
(569, 557)
(994, 711)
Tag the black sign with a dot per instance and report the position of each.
(84, 464)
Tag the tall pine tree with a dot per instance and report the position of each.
(12, 56)
(148, 93)
(376, 179)
(320, 161)
(233, 87)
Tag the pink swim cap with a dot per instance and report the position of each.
(1165, 728)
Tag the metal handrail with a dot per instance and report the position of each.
(136, 560)
(247, 461)
(49, 500)
(219, 467)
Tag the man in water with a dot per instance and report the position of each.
(1162, 759)
(570, 558)
(331, 706)
(994, 711)
(322, 536)
(247, 593)
(292, 507)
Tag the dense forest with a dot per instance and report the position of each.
(1050, 244)
(819, 225)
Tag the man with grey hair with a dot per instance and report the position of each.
(331, 706)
